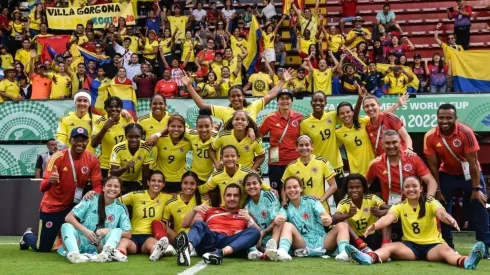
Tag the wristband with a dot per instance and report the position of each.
(158, 134)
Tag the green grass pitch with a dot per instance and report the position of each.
(14, 261)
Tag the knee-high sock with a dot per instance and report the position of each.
(342, 245)
(158, 229)
(113, 237)
(285, 244)
(68, 234)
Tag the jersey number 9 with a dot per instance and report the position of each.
(171, 159)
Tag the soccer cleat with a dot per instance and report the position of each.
(119, 256)
(91, 257)
(358, 256)
(255, 255)
(109, 253)
(283, 255)
(342, 257)
(301, 252)
(22, 244)
(170, 251)
(271, 244)
(159, 249)
(182, 242)
(475, 256)
(214, 258)
(76, 258)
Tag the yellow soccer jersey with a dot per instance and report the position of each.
(236, 43)
(135, 41)
(247, 149)
(121, 156)
(322, 133)
(232, 65)
(221, 179)
(276, 80)
(207, 90)
(166, 45)
(201, 163)
(322, 81)
(426, 230)
(70, 122)
(260, 83)
(7, 60)
(268, 40)
(61, 86)
(179, 22)
(359, 149)
(363, 218)
(186, 49)
(225, 113)
(151, 125)
(300, 85)
(216, 68)
(176, 209)
(170, 158)
(10, 88)
(112, 137)
(314, 175)
(224, 88)
(145, 210)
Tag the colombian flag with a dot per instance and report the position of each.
(288, 4)
(412, 87)
(470, 71)
(127, 94)
(99, 93)
(253, 47)
(49, 46)
(87, 55)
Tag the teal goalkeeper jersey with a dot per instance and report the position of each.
(306, 218)
(116, 214)
(267, 208)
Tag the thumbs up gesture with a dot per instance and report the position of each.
(55, 177)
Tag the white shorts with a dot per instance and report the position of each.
(270, 55)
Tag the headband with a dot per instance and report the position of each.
(83, 94)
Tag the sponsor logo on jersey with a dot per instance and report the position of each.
(438, 144)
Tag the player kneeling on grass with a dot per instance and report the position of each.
(264, 208)
(176, 209)
(306, 233)
(421, 236)
(147, 207)
(218, 231)
(96, 225)
(361, 210)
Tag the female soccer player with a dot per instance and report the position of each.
(313, 171)
(109, 131)
(156, 121)
(147, 206)
(264, 208)
(306, 233)
(237, 100)
(172, 150)
(96, 224)
(131, 159)
(178, 207)
(81, 117)
(361, 210)
(235, 133)
(380, 122)
(232, 172)
(422, 239)
(201, 140)
(320, 127)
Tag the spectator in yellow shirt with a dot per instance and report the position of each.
(7, 59)
(36, 17)
(61, 85)
(9, 88)
(24, 54)
(79, 36)
(269, 37)
(397, 80)
(358, 34)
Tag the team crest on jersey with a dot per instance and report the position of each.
(457, 142)
(314, 169)
(239, 182)
(139, 158)
(49, 224)
(306, 216)
(294, 123)
(246, 148)
(165, 148)
(110, 218)
(84, 170)
(407, 167)
(181, 149)
(274, 184)
(329, 121)
(366, 210)
(158, 202)
(264, 214)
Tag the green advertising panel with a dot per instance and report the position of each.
(37, 120)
